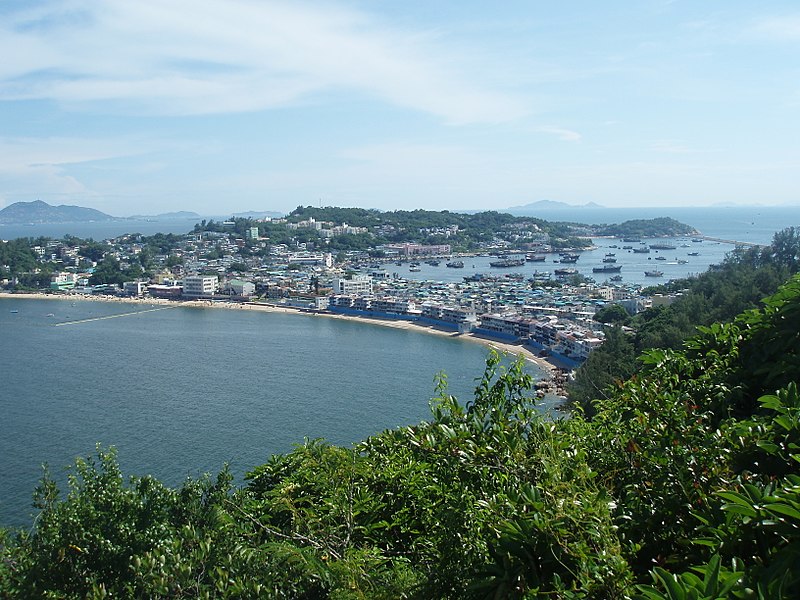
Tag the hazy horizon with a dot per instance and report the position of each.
(261, 105)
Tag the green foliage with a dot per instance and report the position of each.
(685, 484)
(612, 313)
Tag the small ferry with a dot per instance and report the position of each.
(607, 269)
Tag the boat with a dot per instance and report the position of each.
(14, 311)
(414, 269)
(531, 257)
(507, 262)
(565, 272)
(642, 250)
(616, 278)
(456, 264)
(661, 258)
(413, 264)
(433, 263)
(607, 269)
(694, 254)
(663, 247)
(631, 239)
(697, 240)
(654, 273)
(570, 258)
(610, 254)
(627, 247)
(608, 259)
(682, 261)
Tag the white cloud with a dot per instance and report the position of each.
(39, 167)
(181, 56)
(783, 28)
(565, 135)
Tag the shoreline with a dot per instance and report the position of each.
(549, 370)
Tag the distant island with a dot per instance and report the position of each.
(534, 208)
(181, 214)
(39, 212)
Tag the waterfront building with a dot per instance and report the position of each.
(418, 249)
(200, 286)
(134, 288)
(168, 291)
(356, 285)
(63, 281)
(239, 287)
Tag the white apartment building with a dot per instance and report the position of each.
(359, 285)
(196, 286)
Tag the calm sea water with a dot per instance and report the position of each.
(181, 391)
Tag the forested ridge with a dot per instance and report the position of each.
(685, 483)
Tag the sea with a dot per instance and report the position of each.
(182, 391)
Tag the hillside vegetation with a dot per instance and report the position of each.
(684, 484)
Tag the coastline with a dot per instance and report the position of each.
(549, 369)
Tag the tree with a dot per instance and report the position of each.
(612, 313)
(607, 366)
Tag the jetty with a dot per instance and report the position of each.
(732, 242)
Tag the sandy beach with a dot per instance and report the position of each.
(511, 349)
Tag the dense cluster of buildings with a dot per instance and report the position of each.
(223, 266)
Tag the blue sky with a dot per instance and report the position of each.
(148, 106)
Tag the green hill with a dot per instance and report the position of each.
(21, 213)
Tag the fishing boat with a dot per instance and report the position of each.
(654, 273)
(609, 259)
(663, 247)
(505, 263)
(531, 257)
(456, 264)
(642, 250)
(616, 278)
(607, 269)
(565, 272)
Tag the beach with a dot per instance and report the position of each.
(504, 347)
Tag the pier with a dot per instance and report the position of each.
(116, 316)
(732, 242)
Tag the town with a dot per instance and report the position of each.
(329, 266)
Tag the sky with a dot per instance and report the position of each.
(217, 106)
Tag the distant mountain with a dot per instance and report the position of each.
(181, 214)
(38, 212)
(545, 205)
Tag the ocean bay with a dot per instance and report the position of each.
(181, 391)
